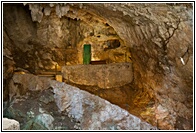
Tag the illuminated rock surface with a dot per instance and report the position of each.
(156, 38)
(60, 106)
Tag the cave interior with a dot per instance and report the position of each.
(137, 56)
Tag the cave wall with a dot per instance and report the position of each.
(18, 29)
(57, 40)
(159, 37)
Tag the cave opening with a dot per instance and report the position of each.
(133, 61)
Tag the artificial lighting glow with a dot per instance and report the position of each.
(94, 58)
(55, 66)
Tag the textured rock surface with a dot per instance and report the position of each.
(57, 40)
(40, 122)
(10, 124)
(159, 37)
(30, 82)
(103, 76)
(70, 105)
(94, 113)
(113, 83)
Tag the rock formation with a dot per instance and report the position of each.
(103, 76)
(156, 37)
(10, 124)
(52, 105)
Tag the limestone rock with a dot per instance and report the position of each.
(158, 35)
(30, 82)
(103, 76)
(10, 124)
(71, 106)
(40, 122)
(94, 113)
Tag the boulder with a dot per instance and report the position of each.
(62, 106)
(10, 124)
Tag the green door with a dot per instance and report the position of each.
(87, 54)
